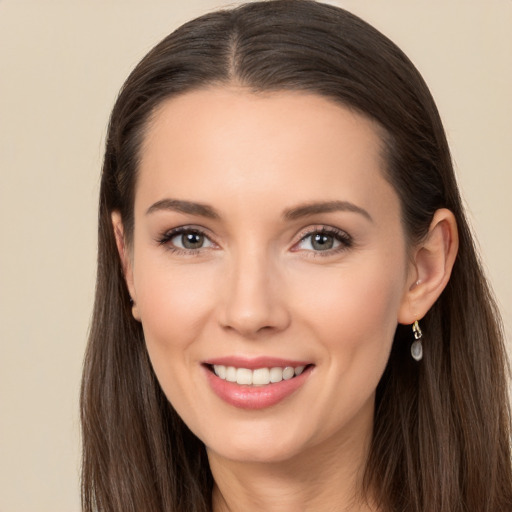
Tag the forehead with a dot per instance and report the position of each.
(291, 147)
(280, 116)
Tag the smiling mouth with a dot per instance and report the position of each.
(258, 376)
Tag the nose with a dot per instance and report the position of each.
(254, 299)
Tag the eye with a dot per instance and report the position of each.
(186, 239)
(324, 240)
(190, 240)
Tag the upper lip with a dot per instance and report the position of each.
(253, 363)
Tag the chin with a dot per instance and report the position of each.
(260, 443)
(273, 453)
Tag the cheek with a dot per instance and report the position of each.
(353, 318)
(355, 309)
(174, 303)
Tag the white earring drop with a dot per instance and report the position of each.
(416, 347)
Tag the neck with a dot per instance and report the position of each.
(324, 478)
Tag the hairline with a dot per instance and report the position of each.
(383, 135)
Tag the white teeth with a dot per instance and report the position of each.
(220, 370)
(244, 376)
(276, 374)
(230, 374)
(288, 373)
(258, 377)
(261, 377)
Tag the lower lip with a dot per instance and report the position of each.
(255, 397)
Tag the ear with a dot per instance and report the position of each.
(432, 263)
(126, 261)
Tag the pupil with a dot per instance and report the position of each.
(322, 242)
(192, 240)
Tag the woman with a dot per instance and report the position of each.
(290, 314)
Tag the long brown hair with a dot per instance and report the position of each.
(441, 439)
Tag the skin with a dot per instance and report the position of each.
(258, 286)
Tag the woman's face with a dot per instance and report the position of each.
(267, 242)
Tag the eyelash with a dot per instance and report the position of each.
(165, 239)
(344, 239)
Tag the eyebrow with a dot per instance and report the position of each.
(203, 210)
(324, 207)
(181, 206)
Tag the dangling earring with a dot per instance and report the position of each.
(416, 347)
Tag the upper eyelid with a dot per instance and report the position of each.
(345, 240)
(187, 227)
(166, 235)
(321, 228)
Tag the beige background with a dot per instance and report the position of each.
(61, 65)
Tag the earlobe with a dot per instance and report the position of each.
(117, 225)
(433, 261)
